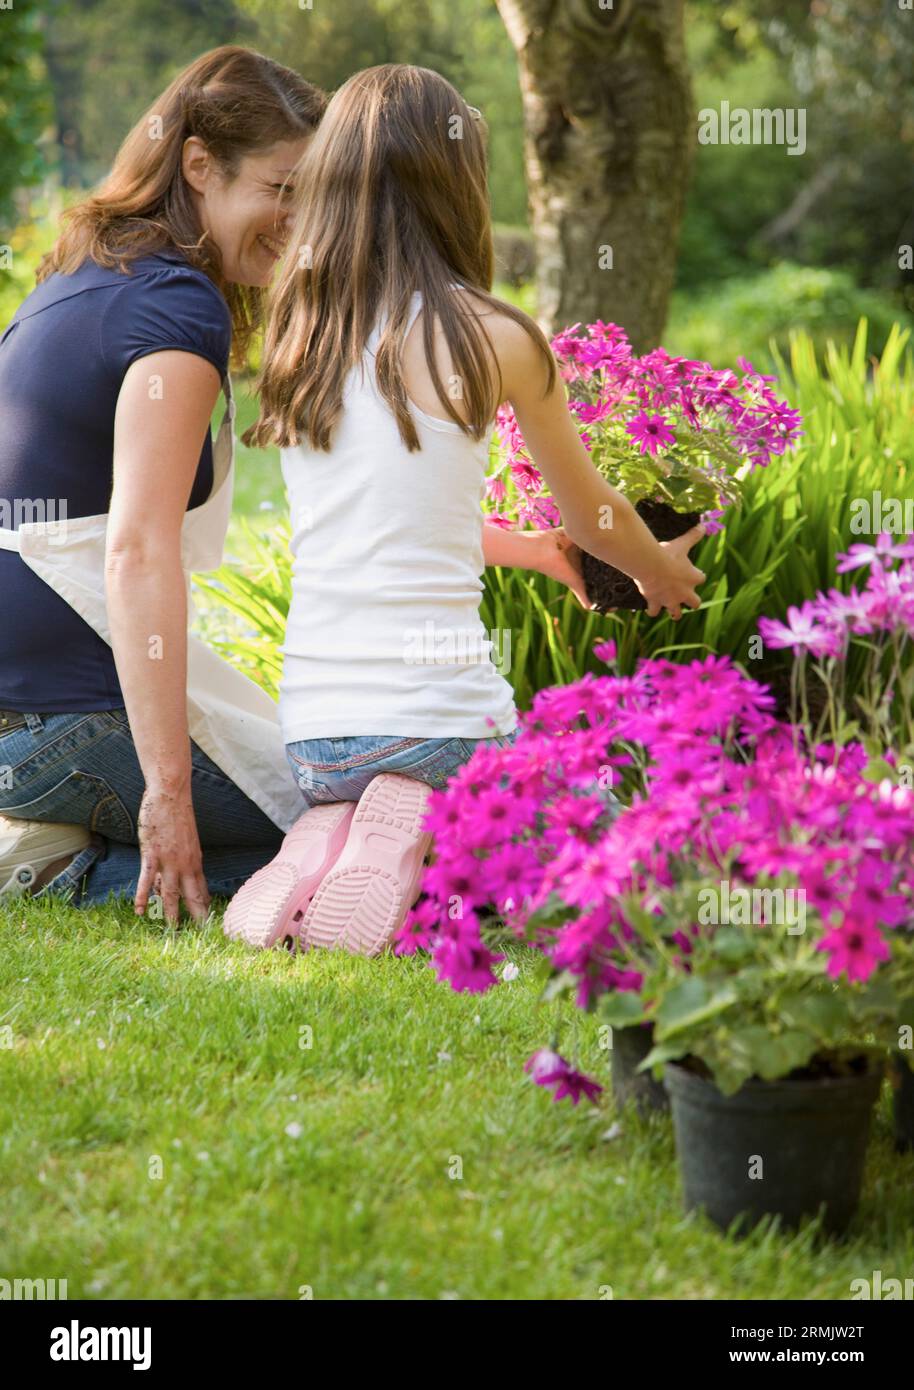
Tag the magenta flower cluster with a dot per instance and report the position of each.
(824, 626)
(531, 833)
(639, 403)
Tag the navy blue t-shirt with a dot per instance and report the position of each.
(63, 359)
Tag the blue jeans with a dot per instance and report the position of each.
(82, 769)
(340, 769)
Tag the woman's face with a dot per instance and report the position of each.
(249, 216)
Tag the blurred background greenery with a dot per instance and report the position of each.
(768, 242)
(778, 260)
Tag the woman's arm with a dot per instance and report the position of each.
(597, 517)
(157, 445)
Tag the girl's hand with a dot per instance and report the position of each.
(560, 559)
(172, 861)
(673, 587)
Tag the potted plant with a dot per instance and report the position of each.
(639, 904)
(631, 1045)
(791, 978)
(774, 1034)
(872, 624)
(520, 831)
(767, 1054)
(676, 436)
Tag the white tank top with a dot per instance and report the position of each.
(384, 634)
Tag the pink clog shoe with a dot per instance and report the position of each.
(269, 908)
(367, 894)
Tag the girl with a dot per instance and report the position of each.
(386, 357)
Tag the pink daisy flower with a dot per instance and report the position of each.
(854, 949)
(651, 432)
(551, 1070)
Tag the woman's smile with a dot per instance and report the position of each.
(271, 245)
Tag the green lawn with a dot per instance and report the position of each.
(132, 1043)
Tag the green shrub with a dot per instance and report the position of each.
(741, 316)
(26, 107)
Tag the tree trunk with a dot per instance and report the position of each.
(610, 134)
(64, 59)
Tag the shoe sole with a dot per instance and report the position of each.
(270, 906)
(365, 898)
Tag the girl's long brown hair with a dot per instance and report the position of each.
(393, 198)
(237, 102)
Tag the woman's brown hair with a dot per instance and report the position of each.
(393, 198)
(237, 102)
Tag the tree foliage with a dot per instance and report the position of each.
(464, 40)
(107, 61)
(82, 71)
(849, 63)
(24, 105)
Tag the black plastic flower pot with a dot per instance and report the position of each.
(630, 1047)
(776, 1148)
(608, 587)
(902, 1079)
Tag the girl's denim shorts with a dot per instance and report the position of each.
(340, 769)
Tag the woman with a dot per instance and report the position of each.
(131, 758)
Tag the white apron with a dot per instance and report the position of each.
(230, 718)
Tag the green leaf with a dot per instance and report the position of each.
(663, 1052)
(875, 1001)
(728, 1072)
(773, 1055)
(689, 1003)
(715, 603)
(621, 1008)
(554, 912)
(732, 945)
(824, 1015)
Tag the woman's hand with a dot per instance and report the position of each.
(172, 861)
(560, 559)
(673, 585)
